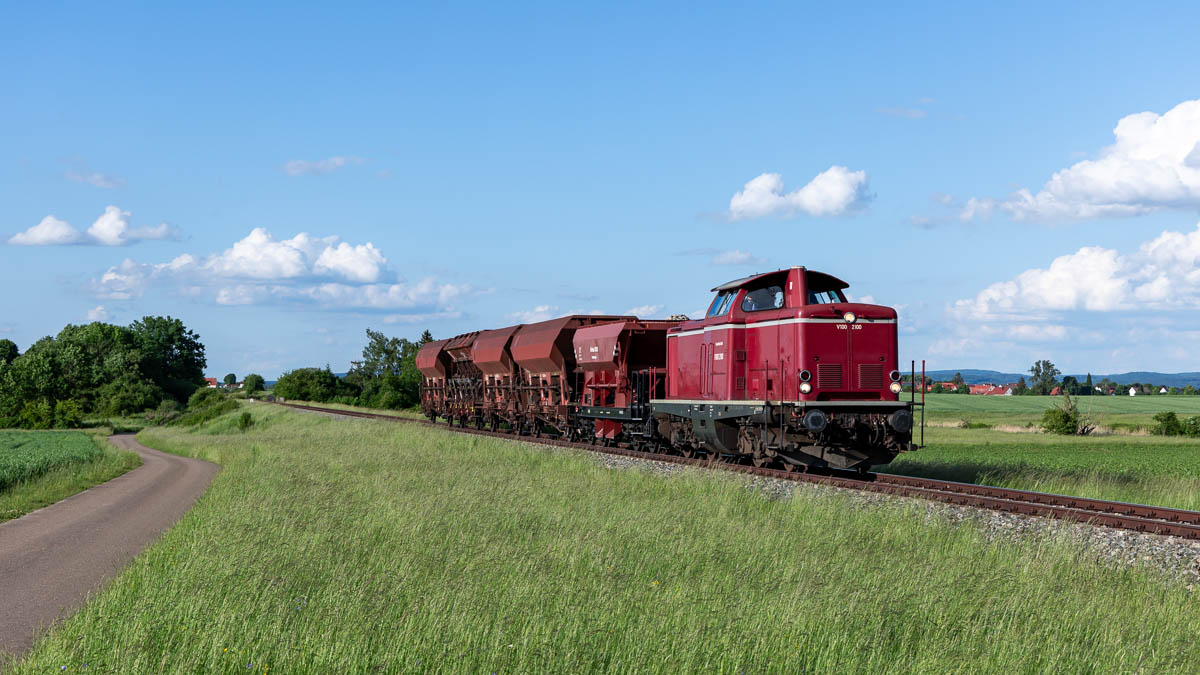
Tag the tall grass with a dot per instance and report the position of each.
(330, 545)
(1163, 471)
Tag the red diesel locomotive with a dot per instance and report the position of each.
(781, 369)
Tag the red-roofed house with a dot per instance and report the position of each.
(211, 382)
(1057, 391)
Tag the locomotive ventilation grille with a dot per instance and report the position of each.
(829, 376)
(870, 376)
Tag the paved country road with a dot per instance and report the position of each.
(52, 558)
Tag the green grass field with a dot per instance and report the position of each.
(39, 468)
(332, 545)
(1120, 412)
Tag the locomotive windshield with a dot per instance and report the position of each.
(825, 297)
(721, 303)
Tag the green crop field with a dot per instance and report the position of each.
(39, 468)
(1113, 411)
(332, 545)
(26, 454)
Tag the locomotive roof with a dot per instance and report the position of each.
(815, 280)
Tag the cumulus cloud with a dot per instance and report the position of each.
(1063, 300)
(50, 232)
(646, 311)
(110, 229)
(539, 313)
(300, 167)
(258, 269)
(833, 192)
(1153, 164)
(98, 313)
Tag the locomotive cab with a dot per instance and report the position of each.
(783, 366)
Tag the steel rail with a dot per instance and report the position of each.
(1120, 515)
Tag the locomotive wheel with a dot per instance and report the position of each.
(789, 467)
(687, 451)
(760, 461)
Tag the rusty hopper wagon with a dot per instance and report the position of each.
(782, 369)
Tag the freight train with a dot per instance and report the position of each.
(781, 370)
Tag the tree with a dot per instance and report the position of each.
(1088, 387)
(230, 380)
(958, 380)
(1043, 377)
(1070, 385)
(938, 389)
(1021, 389)
(254, 382)
(1189, 390)
(171, 355)
(9, 352)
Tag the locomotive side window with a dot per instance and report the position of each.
(768, 297)
(721, 303)
(825, 297)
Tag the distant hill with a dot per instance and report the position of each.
(971, 376)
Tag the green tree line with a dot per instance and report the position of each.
(386, 377)
(98, 368)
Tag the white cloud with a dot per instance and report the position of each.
(98, 313)
(300, 167)
(539, 313)
(94, 178)
(358, 263)
(1066, 299)
(50, 232)
(737, 257)
(833, 192)
(421, 318)
(110, 229)
(1154, 163)
(259, 269)
(646, 311)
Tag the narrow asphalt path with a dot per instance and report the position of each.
(52, 558)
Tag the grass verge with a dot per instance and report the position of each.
(57, 483)
(1164, 471)
(332, 545)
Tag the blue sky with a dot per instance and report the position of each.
(282, 178)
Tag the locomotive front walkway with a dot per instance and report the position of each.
(52, 558)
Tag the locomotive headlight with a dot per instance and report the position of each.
(850, 317)
(896, 387)
(805, 387)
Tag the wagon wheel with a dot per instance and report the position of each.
(789, 467)
(760, 461)
(688, 451)
(478, 423)
(493, 424)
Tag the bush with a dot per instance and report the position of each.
(37, 415)
(1191, 427)
(253, 382)
(1065, 419)
(205, 396)
(313, 384)
(67, 415)
(127, 394)
(245, 421)
(211, 412)
(1166, 424)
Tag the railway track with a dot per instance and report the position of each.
(1121, 515)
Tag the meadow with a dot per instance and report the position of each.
(1120, 413)
(334, 545)
(39, 468)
